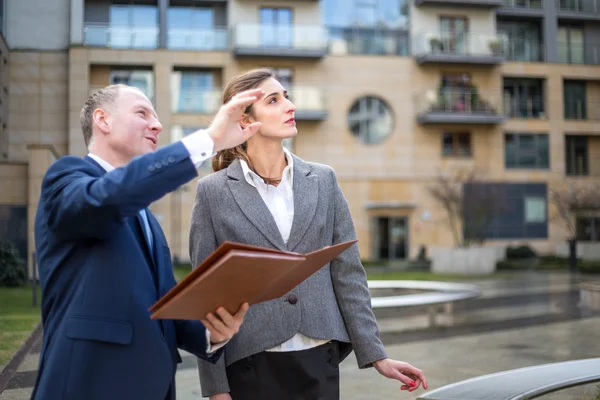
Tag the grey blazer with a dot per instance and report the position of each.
(334, 303)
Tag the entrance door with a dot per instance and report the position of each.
(391, 238)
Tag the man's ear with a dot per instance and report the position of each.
(100, 118)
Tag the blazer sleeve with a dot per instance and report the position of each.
(350, 286)
(202, 242)
(80, 204)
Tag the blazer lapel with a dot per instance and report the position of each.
(253, 206)
(306, 197)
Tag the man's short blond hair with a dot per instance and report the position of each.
(104, 98)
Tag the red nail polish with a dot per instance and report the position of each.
(412, 384)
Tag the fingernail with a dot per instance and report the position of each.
(412, 384)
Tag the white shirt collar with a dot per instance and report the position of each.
(288, 171)
(102, 163)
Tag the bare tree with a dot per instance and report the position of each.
(572, 199)
(468, 202)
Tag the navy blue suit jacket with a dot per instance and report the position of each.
(99, 278)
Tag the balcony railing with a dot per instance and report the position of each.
(581, 6)
(585, 110)
(196, 101)
(120, 37)
(372, 41)
(523, 50)
(531, 107)
(280, 40)
(197, 39)
(579, 53)
(459, 105)
(463, 48)
(525, 4)
(309, 102)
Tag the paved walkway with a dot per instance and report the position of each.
(516, 323)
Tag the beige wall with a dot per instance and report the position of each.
(38, 101)
(13, 183)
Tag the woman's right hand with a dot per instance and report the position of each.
(221, 396)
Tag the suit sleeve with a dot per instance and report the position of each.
(213, 378)
(79, 204)
(351, 289)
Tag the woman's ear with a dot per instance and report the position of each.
(246, 120)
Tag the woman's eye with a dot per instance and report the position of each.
(273, 100)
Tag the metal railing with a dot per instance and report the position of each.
(299, 37)
(461, 43)
(527, 4)
(517, 49)
(579, 53)
(197, 39)
(524, 107)
(583, 6)
(305, 98)
(120, 37)
(582, 109)
(375, 41)
(458, 101)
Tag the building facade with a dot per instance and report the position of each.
(390, 93)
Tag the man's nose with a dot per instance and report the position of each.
(155, 126)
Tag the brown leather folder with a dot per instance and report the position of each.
(236, 273)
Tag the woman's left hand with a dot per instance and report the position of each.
(404, 372)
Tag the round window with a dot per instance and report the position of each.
(370, 119)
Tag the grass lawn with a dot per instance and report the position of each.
(18, 317)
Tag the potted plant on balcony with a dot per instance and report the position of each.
(435, 44)
(468, 216)
(495, 47)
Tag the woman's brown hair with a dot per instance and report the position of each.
(246, 81)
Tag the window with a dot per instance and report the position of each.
(456, 144)
(535, 210)
(284, 76)
(390, 14)
(276, 28)
(526, 150)
(370, 120)
(193, 28)
(454, 33)
(576, 148)
(140, 79)
(570, 45)
(574, 97)
(523, 42)
(178, 132)
(505, 210)
(588, 229)
(192, 92)
(523, 98)
(133, 26)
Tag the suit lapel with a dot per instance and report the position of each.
(306, 197)
(253, 206)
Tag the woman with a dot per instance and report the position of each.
(262, 195)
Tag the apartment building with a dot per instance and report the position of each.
(390, 93)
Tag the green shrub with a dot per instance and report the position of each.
(520, 252)
(13, 271)
(588, 266)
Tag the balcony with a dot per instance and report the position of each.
(531, 107)
(461, 3)
(522, 8)
(310, 103)
(579, 53)
(368, 41)
(523, 50)
(458, 106)
(579, 9)
(197, 39)
(295, 41)
(445, 48)
(582, 110)
(120, 37)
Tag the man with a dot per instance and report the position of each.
(103, 258)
